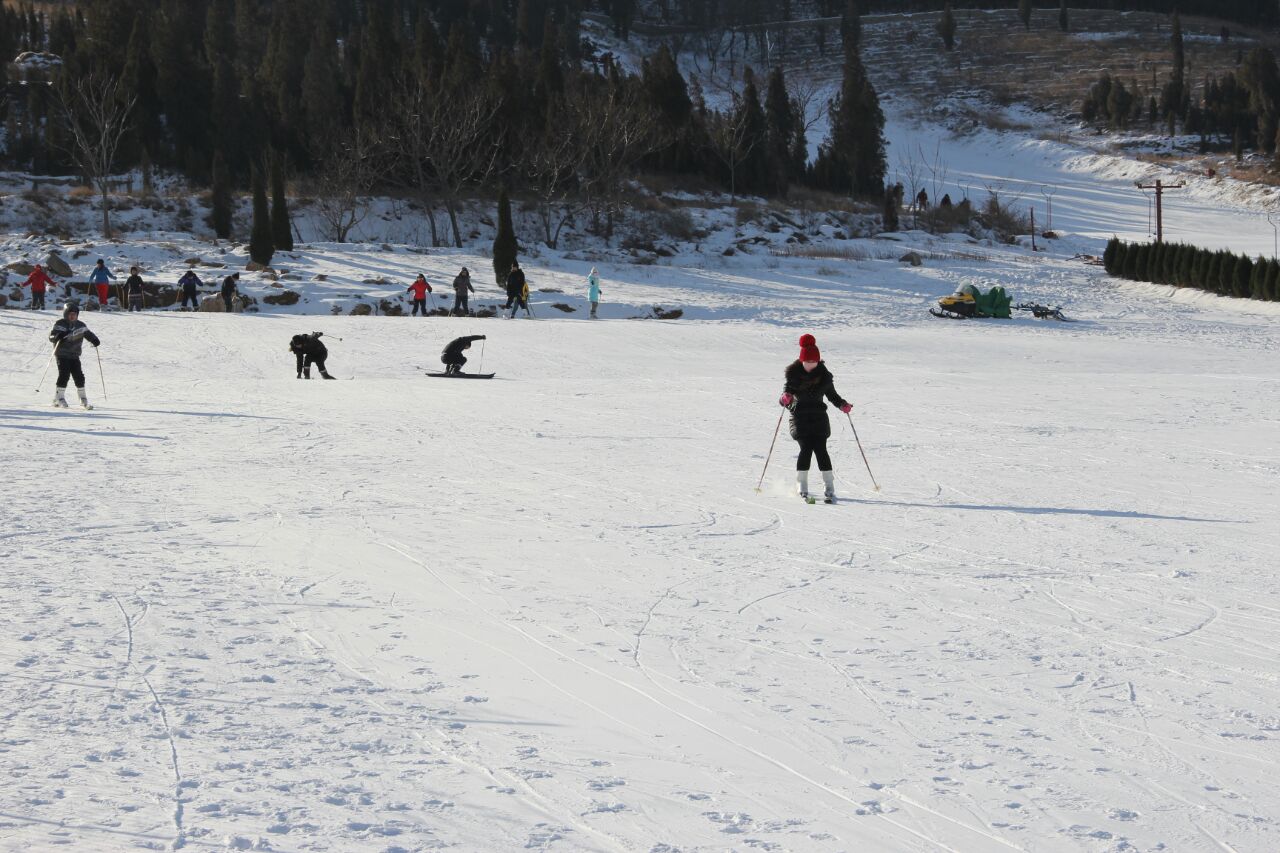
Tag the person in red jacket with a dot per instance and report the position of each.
(420, 289)
(39, 280)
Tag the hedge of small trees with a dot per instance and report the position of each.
(1181, 265)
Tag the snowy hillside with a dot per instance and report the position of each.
(550, 611)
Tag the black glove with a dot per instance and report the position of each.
(483, 338)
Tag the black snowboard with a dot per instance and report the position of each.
(462, 375)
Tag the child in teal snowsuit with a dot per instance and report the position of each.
(593, 291)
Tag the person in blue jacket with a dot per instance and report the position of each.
(100, 278)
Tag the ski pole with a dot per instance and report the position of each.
(482, 340)
(101, 376)
(46, 366)
(771, 444)
(860, 450)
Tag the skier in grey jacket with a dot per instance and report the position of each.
(68, 337)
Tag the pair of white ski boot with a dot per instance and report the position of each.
(828, 481)
(60, 398)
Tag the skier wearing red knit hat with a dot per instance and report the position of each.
(807, 382)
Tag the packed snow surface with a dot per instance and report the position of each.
(550, 610)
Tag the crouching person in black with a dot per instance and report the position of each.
(309, 351)
(452, 356)
(68, 336)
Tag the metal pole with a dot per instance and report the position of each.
(45, 373)
(1159, 212)
(771, 444)
(1033, 228)
(482, 341)
(860, 450)
(100, 374)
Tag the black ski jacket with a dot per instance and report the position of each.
(228, 286)
(133, 284)
(308, 349)
(808, 412)
(515, 283)
(453, 351)
(69, 336)
(462, 283)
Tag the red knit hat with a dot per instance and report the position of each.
(809, 348)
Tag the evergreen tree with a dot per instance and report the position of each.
(851, 26)
(852, 157)
(1243, 273)
(220, 215)
(1109, 255)
(947, 27)
(1119, 262)
(323, 96)
(1227, 274)
(1142, 264)
(1258, 279)
(1024, 12)
(505, 247)
(281, 227)
(1273, 280)
(753, 175)
(782, 125)
(260, 246)
(1201, 269)
(1064, 23)
(1131, 262)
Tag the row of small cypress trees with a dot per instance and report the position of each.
(1182, 265)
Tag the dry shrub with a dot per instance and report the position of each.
(361, 309)
(560, 306)
(823, 250)
(391, 309)
(1004, 219)
(288, 297)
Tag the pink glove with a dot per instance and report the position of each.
(785, 399)
(846, 408)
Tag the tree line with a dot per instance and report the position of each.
(1181, 265)
(438, 99)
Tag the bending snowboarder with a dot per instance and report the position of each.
(68, 336)
(807, 382)
(309, 351)
(452, 356)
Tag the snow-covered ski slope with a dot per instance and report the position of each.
(550, 611)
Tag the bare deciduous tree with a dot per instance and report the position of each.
(617, 129)
(727, 135)
(457, 143)
(347, 171)
(96, 111)
(550, 165)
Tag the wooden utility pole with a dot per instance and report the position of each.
(1159, 188)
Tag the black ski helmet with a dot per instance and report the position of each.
(69, 307)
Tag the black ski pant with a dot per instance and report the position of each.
(69, 368)
(37, 300)
(518, 303)
(454, 366)
(195, 300)
(135, 301)
(226, 301)
(318, 362)
(809, 448)
(460, 303)
(419, 305)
